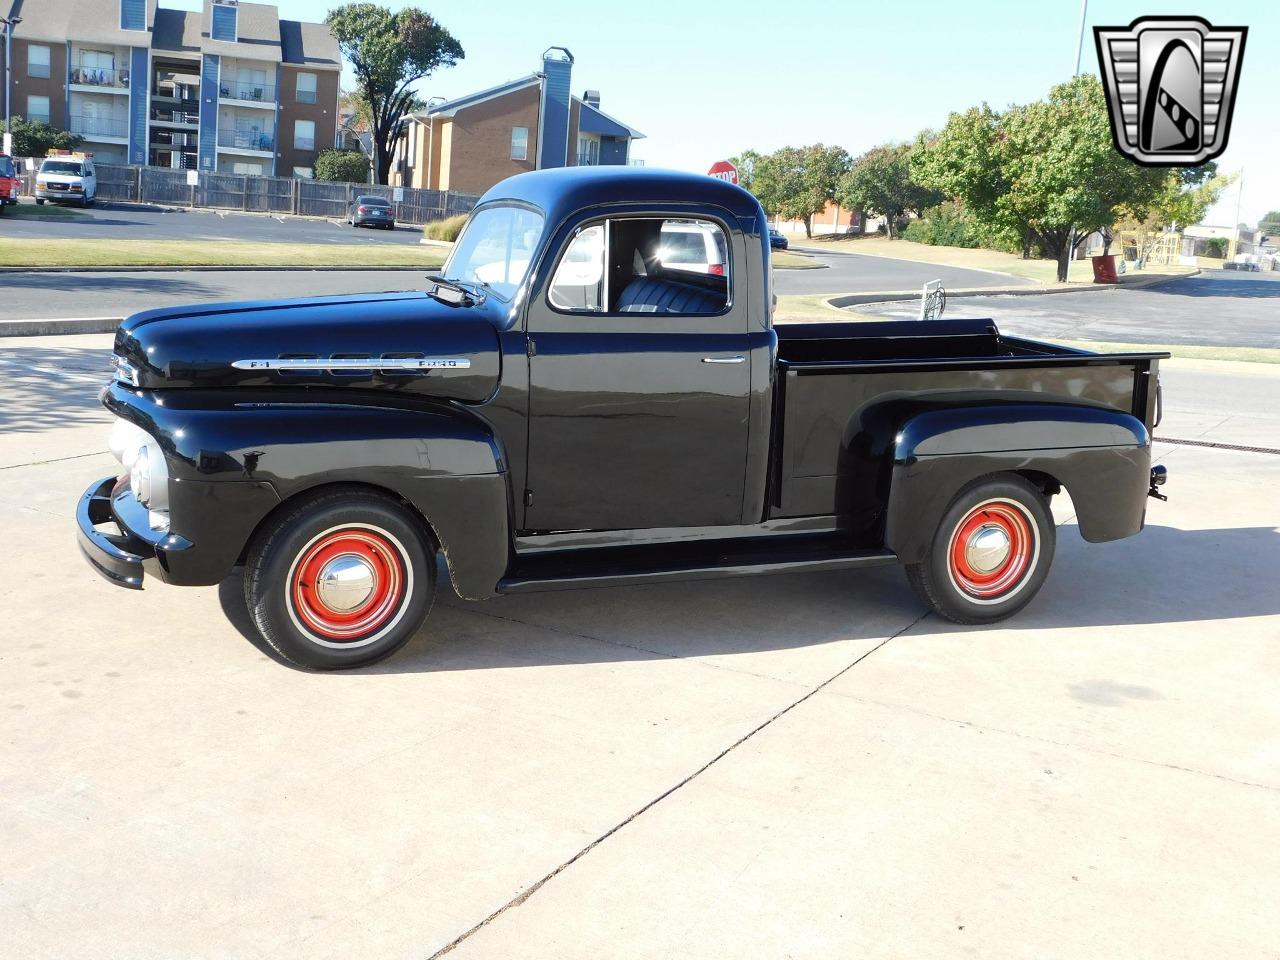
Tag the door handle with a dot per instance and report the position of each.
(724, 359)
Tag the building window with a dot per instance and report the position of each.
(588, 152)
(37, 61)
(224, 23)
(247, 169)
(38, 109)
(133, 14)
(304, 134)
(306, 88)
(303, 173)
(519, 143)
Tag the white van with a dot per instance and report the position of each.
(67, 176)
(693, 245)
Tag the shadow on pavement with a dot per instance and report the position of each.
(108, 283)
(51, 388)
(1235, 285)
(1163, 576)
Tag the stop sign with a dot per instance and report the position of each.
(724, 170)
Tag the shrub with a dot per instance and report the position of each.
(445, 229)
(1216, 247)
(342, 166)
(945, 225)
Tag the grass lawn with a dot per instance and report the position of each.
(25, 210)
(1042, 271)
(1182, 350)
(809, 308)
(211, 253)
(795, 261)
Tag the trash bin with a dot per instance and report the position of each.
(1104, 269)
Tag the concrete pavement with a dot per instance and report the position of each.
(782, 766)
(857, 273)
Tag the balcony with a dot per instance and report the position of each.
(95, 78)
(97, 128)
(164, 140)
(253, 141)
(175, 118)
(258, 93)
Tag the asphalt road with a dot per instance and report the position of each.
(39, 295)
(1215, 308)
(108, 222)
(860, 273)
(790, 765)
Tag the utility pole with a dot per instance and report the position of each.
(9, 24)
(1235, 226)
(1084, 9)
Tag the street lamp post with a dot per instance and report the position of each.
(9, 24)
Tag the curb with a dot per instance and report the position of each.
(50, 328)
(215, 269)
(893, 296)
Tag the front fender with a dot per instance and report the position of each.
(1102, 457)
(442, 460)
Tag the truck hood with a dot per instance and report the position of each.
(426, 347)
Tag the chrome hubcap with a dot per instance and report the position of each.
(987, 548)
(345, 583)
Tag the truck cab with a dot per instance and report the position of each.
(10, 186)
(567, 404)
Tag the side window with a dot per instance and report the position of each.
(579, 280)
(644, 265)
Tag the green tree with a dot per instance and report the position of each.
(389, 52)
(1047, 170)
(342, 166)
(1184, 197)
(881, 182)
(746, 164)
(798, 182)
(1270, 223)
(35, 138)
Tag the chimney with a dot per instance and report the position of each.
(591, 98)
(553, 139)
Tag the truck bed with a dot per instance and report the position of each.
(844, 389)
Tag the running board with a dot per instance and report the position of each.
(700, 560)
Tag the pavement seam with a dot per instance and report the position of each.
(1051, 742)
(525, 895)
(40, 463)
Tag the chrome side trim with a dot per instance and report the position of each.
(357, 363)
(724, 359)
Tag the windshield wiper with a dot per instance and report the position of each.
(453, 291)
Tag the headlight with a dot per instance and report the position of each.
(140, 454)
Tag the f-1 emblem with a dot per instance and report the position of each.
(1171, 86)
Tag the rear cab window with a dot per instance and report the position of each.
(655, 265)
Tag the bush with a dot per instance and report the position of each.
(445, 229)
(1216, 247)
(945, 225)
(35, 138)
(342, 166)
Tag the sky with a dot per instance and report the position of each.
(705, 80)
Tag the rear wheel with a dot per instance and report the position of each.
(39, 202)
(341, 580)
(990, 554)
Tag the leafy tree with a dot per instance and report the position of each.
(746, 164)
(881, 181)
(1270, 223)
(1047, 170)
(342, 166)
(1184, 197)
(389, 52)
(798, 182)
(35, 138)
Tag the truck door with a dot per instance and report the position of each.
(638, 375)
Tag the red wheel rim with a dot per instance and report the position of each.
(376, 568)
(992, 550)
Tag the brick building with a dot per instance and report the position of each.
(470, 143)
(230, 88)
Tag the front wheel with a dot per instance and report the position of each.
(341, 580)
(990, 554)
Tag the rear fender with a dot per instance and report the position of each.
(1102, 457)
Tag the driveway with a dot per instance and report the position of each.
(1216, 307)
(106, 221)
(861, 273)
(796, 766)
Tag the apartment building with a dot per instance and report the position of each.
(470, 143)
(231, 88)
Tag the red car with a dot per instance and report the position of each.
(9, 185)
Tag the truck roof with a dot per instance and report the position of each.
(565, 190)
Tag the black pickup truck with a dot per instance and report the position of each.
(593, 392)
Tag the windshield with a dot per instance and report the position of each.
(6, 167)
(62, 166)
(373, 201)
(496, 249)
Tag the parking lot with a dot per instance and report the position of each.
(780, 766)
